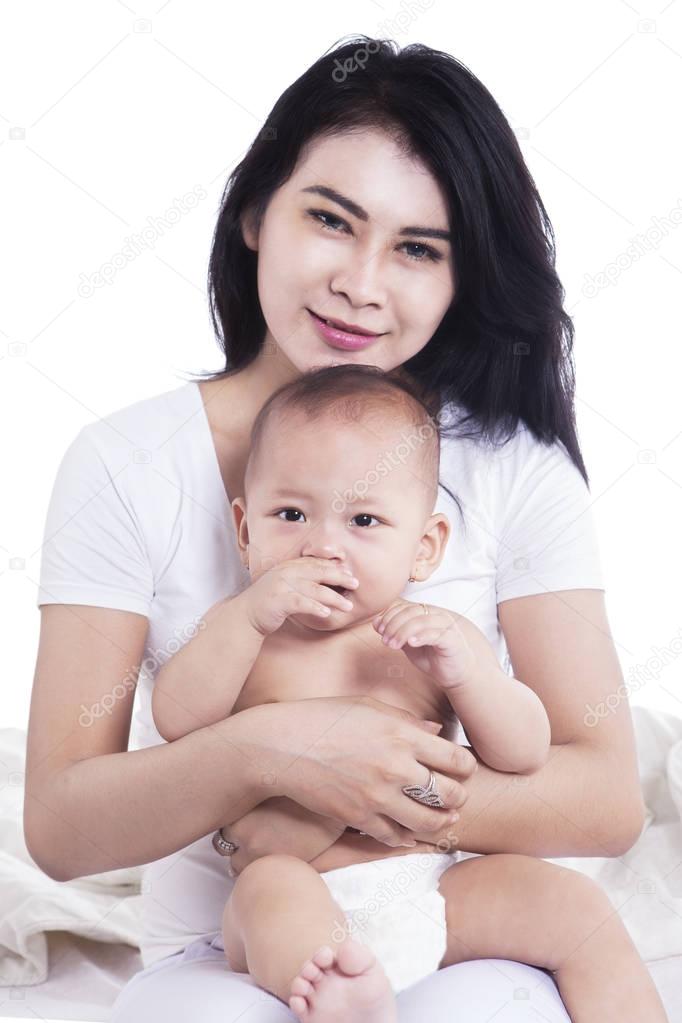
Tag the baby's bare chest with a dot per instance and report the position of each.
(354, 664)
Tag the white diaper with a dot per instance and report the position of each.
(393, 905)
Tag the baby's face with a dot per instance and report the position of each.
(350, 492)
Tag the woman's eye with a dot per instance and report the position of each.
(430, 253)
(426, 252)
(319, 214)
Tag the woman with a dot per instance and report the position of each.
(386, 192)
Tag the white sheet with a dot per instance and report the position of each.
(102, 907)
(645, 884)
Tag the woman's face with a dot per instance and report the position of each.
(366, 270)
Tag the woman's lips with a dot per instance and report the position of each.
(341, 338)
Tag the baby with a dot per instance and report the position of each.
(339, 492)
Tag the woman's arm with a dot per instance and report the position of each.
(281, 825)
(587, 799)
(91, 805)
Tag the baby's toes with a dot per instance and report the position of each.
(299, 1007)
(301, 986)
(324, 957)
(310, 971)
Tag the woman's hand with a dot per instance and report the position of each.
(434, 642)
(348, 757)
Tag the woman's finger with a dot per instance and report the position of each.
(420, 817)
(450, 758)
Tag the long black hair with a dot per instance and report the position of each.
(503, 351)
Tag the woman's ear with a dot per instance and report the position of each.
(249, 230)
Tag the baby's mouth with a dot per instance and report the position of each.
(339, 589)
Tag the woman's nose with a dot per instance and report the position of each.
(360, 279)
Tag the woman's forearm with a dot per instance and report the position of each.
(566, 808)
(124, 809)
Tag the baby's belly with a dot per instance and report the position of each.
(352, 848)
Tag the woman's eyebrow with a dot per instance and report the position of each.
(357, 211)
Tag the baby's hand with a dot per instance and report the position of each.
(434, 642)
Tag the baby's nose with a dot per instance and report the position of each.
(324, 550)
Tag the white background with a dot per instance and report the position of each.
(110, 113)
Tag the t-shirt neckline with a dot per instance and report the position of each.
(208, 433)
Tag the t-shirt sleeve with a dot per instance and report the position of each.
(93, 549)
(547, 536)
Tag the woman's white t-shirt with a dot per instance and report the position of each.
(139, 520)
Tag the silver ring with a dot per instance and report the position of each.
(426, 794)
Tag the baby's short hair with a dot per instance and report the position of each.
(353, 393)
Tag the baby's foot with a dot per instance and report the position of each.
(346, 986)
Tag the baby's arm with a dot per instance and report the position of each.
(179, 707)
(179, 703)
(505, 721)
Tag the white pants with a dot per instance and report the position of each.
(401, 892)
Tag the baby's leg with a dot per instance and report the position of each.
(279, 912)
(282, 926)
(510, 906)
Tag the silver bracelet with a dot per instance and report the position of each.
(223, 845)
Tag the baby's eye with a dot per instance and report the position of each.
(286, 510)
(365, 515)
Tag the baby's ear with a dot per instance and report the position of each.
(433, 544)
(240, 524)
